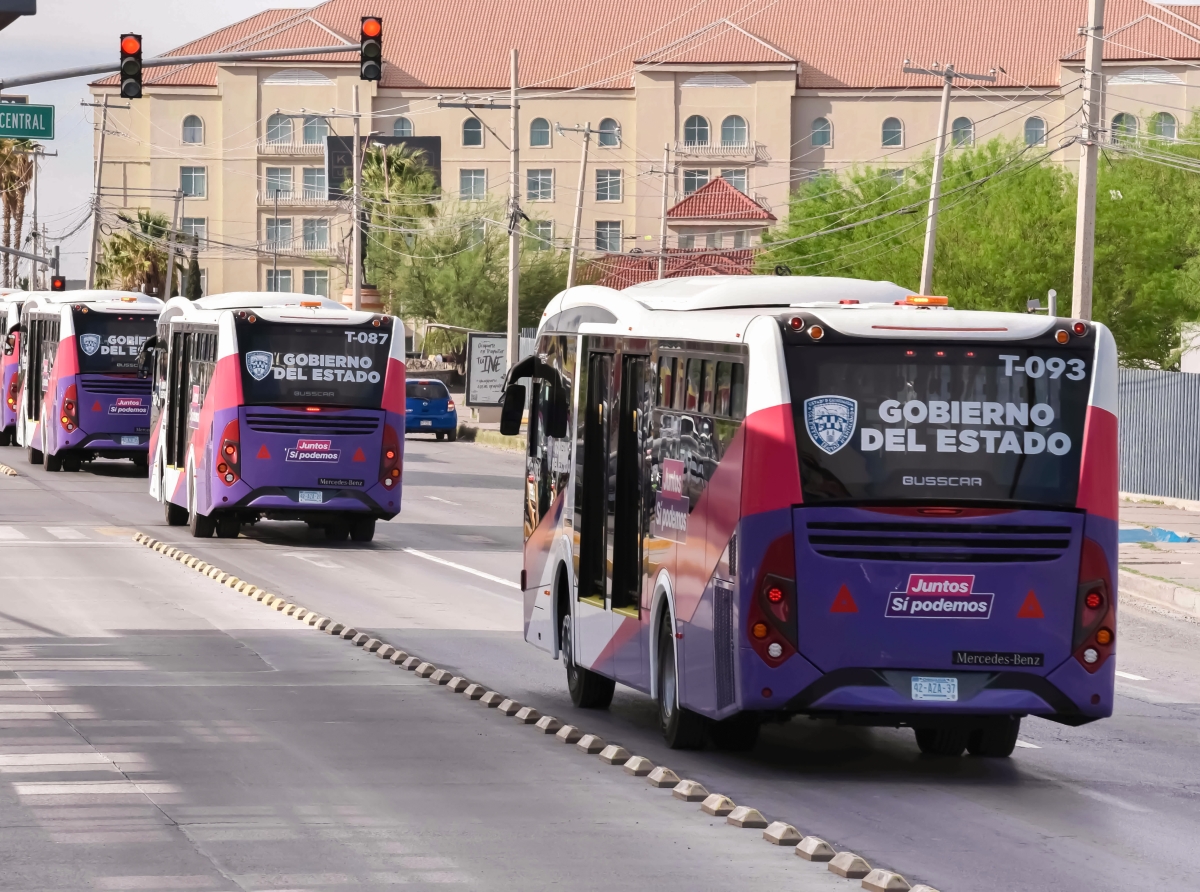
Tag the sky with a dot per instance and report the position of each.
(66, 33)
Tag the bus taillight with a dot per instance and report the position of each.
(1094, 640)
(389, 458)
(229, 461)
(771, 622)
(69, 418)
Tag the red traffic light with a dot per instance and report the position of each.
(131, 44)
(371, 27)
(58, 283)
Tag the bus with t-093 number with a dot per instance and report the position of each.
(277, 406)
(759, 497)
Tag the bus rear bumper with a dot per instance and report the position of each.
(282, 503)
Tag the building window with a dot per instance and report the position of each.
(608, 236)
(316, 234)
(314, 184)
(195, 228)
(402, 127)
(472, 132)
(193, 182)
(193, 131)
(735, 177)
(279, 179)
(714, 241)
(477, 232)
(610, 134)
(693, 180)
(316, 282)
(279, 280)
(687, 242)
(542, 235)
(539, 133)
(1035, 132)
(539, 185)
(279, 233)
(1124, 127)
(203, 282)
(279, 130)
(962, 132)
(741, 239)
(608, 185)
(822, 133)
(734, 131)
(1163, 125)
(893, 133)
(472, 184)
(315, 130)
(695, 131)
(899, 175)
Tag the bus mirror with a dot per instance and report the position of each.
(10, 343)
(144, 356)
(556, 420)
(514, 408)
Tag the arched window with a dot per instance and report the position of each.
(315, 130)
(695, 131)
(539, 133)
(472, 132)
(1163, 125)
(279, 130)
(402, 127)
(962, 132)
(1124, 127)
(1035, 132)
(893, 133)
(610, 134)
(822, 133)
(193, 131)
(734, 131)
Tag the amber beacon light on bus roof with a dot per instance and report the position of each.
(370, 53)
(131, 66)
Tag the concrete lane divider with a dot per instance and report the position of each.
(662, 777)
(509, 706)
(527, 715)
(717, 805)
(849, 865)
(782, 834)
(548, 724)
(458, 684)
(491, 699)
(371, 645)
(411, 663)
(614, 754)
(568, 734)
(813, 848)
(690, 791)
(591, 744)
(361, 638)
(349, 634)
(7, 471)
(385, 651)
(399, 657)
(921, 887)
(441, 676)
(879, 880)
(747, 817)
(424, 670)
(638, 766)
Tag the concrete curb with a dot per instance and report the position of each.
(486, 437)
(1160, 591)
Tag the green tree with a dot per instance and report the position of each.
(131, 260)
(194, 292)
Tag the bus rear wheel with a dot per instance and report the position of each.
(362, 529)
(33, 455)
(337, 531)
(589, 690)
(72, 463)
(175, 515)
(996, 740)
(681, 728)
(942, 741)
(53, 462)
(228, 527)
(201, 526)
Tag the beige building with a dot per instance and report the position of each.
(761, 93)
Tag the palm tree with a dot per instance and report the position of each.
(131, 259)
(16, 174)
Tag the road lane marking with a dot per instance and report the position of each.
(447, 501)
(472, 570)
(316, 562)
(11, 533)
(65, 532)
(1131, 676)
(1026, 745)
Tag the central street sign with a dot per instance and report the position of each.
(26, 121)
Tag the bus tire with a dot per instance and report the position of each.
(72, 463)
(996, 740)
(362, 529)
(33, 455)
(8, 436)
(942, 741)
(337, 530)
(53, 462)
(736, 734)
(201, 526)
(681, 728)
(588, 689)
(228, 526)
(174, 515)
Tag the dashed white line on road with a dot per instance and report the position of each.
(317, 562)
(447, 501)
(1131, 676)
(1026, 745)
(11, 533)
(66, 533)
(472, 570)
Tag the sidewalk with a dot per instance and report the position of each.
(1158, 562)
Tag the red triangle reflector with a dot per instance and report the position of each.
(96, 406)
(263, 452)
(1032, 608)
(358, 455)
(844, 602)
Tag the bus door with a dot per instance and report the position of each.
(593, 620)
(629, 520)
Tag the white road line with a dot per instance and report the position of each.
(1026, 745)
(472, 570)
(11, 533)
(317, 562)
(447, 501)
(1131, 676)
(65, 533)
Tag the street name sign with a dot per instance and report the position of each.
(26, 121)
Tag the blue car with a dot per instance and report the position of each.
(430, 409)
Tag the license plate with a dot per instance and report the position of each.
(311, 496)
(428, 423)
(130, 441)
(945, 689)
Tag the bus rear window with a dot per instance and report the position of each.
(426, 390)
(895, 422)
(110, 342)
(316, 365)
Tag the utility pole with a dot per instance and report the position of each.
(93, 245)
(356, 245)
(171, 244)
(947, 74)
(573, 256)
(1091, 125)
(514, 219)
(662, 220)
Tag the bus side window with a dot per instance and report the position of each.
(708, 371)
(737, 391)
(721, 406)
(666, 382)
(691, 398)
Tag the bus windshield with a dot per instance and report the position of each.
(109, 342)
(314, 365)
(896, 422)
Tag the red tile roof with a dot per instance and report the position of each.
(718, 200)
(464, 45)
(623, 270)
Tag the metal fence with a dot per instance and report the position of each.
(1160, 433)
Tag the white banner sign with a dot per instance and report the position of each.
(487, 364)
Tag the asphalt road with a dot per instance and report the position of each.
(336, 746)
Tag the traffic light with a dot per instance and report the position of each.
(58, 283)
(370, 53)
(131, 66)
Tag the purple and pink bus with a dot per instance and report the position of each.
(11, 301)
(278, 406)
(79, 393)
(757, 497)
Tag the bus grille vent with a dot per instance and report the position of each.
(313, 425)
(959, 543)
(723, 641)
(102, 384)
